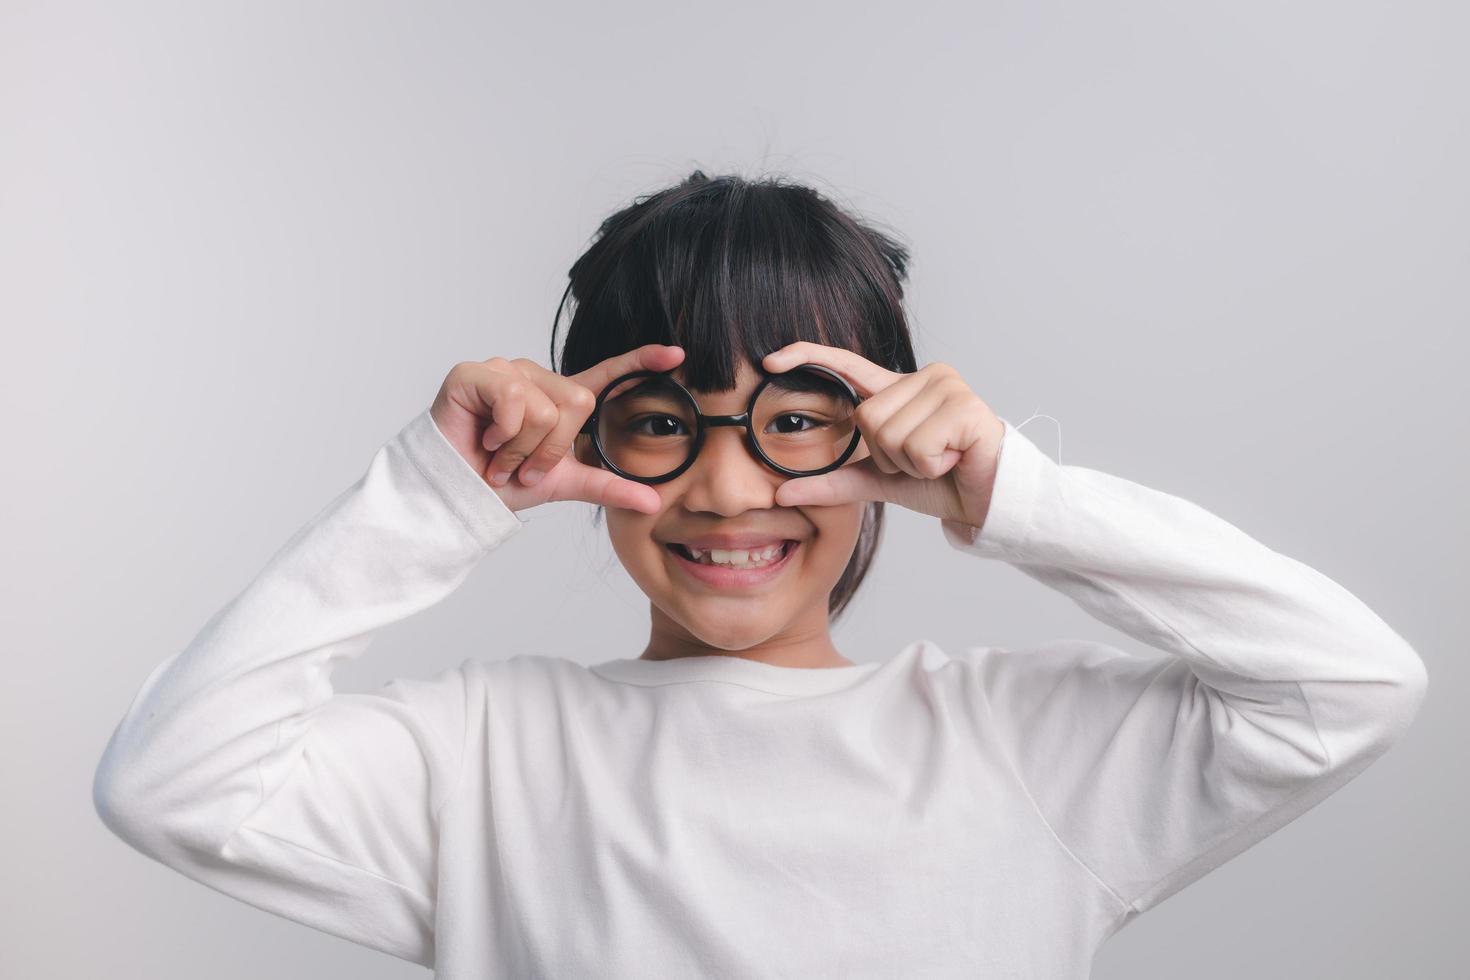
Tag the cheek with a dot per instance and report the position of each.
(631, 536)
(837, 532)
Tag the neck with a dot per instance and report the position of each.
(804, 643)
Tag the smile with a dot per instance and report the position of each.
(734, 568)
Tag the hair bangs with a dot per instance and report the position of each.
(732, 270)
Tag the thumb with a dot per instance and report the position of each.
(572, 479)
(859, 481)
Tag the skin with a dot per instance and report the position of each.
(929, 444)
(728, 489)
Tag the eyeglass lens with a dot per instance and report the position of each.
(803, 420)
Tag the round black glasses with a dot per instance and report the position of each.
(647, 427)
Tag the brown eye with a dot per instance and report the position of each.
(662, 425)
(790, 424)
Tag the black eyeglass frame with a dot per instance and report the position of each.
(703, 423)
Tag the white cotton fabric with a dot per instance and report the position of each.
(992, 812)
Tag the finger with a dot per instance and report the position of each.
(540, 415)
(574, 403)
(871, 415)
(868, 378)
(504, 397)
(862, 480)
(895, 434)
(649, 357)
(931, 444)
(874, 415)
(575, 480)
(880, 459)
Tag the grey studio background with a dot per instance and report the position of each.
(1223, 244)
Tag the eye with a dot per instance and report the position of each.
(789, 423)
(657, 425)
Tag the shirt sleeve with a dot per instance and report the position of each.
(239, 766)
(1271, 685)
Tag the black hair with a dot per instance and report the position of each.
(733, 268)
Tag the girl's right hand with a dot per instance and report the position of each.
(512, 420)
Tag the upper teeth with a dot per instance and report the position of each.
(737, 556)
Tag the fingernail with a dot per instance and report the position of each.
(530, 476)
(499, 478)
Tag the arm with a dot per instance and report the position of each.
(236, 763)
(1273, 685)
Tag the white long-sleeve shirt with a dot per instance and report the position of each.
(993, 812)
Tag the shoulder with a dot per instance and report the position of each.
(1057, 671)
(528, 673)
(1053, 655)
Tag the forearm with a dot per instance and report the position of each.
(212, 730)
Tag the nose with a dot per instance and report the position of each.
(726, 477)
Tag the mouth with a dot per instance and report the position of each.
(736, 568)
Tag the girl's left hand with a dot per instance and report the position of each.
(933, 444)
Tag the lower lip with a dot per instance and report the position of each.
(735, 578)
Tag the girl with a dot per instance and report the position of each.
(740, 799)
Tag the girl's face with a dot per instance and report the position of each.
(726, 499)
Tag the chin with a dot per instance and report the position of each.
(733, 631)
